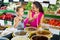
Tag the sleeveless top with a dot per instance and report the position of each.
(20, 25)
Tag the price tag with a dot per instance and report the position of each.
(9, 23)
(26, 0)
(2, 22)
(6, 1)
(45, 4)
(54, 31)
(16, 0)
(52, 1)
(0, 0)
(39, 0)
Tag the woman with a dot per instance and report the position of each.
(18, 18)
(35, 17)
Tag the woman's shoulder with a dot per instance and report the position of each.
(41, 12)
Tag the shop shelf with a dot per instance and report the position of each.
(51, 26)
(52, 16)
(6, 3)
(3, 11)
(12, 11)
(53, 29)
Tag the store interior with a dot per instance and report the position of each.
(49, 29)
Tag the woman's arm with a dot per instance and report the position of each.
(29, 14)
(33, 18)
(41, 21)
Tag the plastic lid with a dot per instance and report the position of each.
(3, 38)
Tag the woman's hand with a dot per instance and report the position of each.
(30, 20)
(35, 16)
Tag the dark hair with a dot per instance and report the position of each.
(17, 9)
(38, 5)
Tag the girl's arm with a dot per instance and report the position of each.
(15, 22)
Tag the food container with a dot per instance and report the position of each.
(3, 38)
(2, 28)
(30, 29)
(0, 32)
(9, 36)
(31, 34)
(20, 38)
(44, 33)
(37, 37)
(20, 33)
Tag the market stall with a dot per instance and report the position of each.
(48, 30)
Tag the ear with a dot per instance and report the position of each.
(16, 12)
(38, 9)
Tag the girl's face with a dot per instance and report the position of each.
(34, 8)
(20, 11)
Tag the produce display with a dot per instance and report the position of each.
(28, 6)
(52, 8)
(50, 12)
(58, 11)
(53, 22)
(7, 16)
(3, 8)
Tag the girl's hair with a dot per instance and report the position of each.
(38, 5)
(17, 9)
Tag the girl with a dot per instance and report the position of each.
(17, 20)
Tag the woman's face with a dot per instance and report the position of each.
(34, 8)
(20, 11)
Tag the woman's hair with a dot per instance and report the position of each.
(38, 5)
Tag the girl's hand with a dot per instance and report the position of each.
(16, 19)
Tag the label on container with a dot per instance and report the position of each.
(2, 22)
(9, 23)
